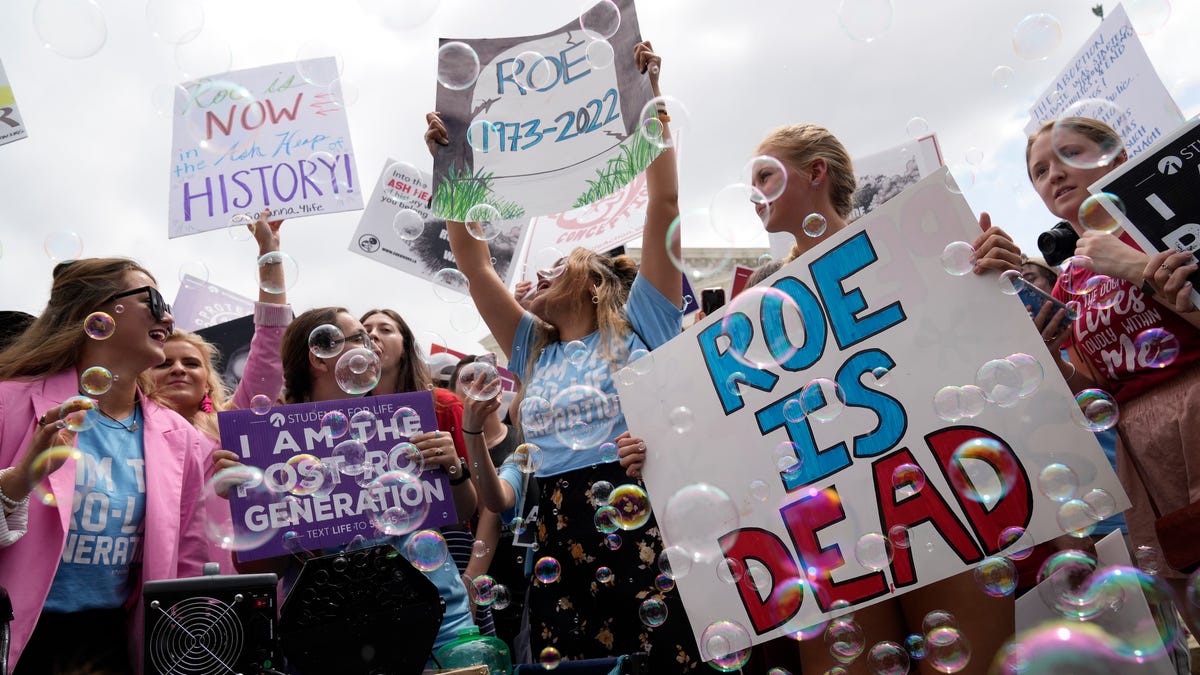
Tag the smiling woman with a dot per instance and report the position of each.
(134, 465)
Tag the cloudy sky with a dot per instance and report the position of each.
(97, 157)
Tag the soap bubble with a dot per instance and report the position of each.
(1036, 36)
(737, 213)
(908, 477)
(483, 590)
(1156, 347)
(61, 246)
(1010, 282)
(1002, 78)
(1029, 372)
(576, 352)
(260, 404)
(606, 519)
(357, 371)
(1088, 153)
(536, 415)
(959, 177)
(982, 470)
(696, 515)
(865, 20)
(480, 381)
(725, 645)
(85, 415)
(277, 272)
(997, 576)
(772, 350)
(527, 458)
(653, 611)
(768, 175)
(353, 456)
(601, 20)
(814, 225)
(362, 425)
(591, 416)
(95, 381)
(99, 326)
(326, 341)
(632, 506)
(605, 576)
(312, 475)
(823, 399)
(601, 492)
(1095, 217)
(450, 285)
(75, 29)
(917, 128)
(547, 570)
(1148, 559)
(1075, 518)
(426, 550)
(680, 419)
(337, 423)
(1098, 409)
(549, 658)
(947, 649)
(402, 497)
(246, 482)
(873, 551)
(845, 640)
(888, 658)
(652, 128)
(958, 258)
(1058, 482)
(458, 66)
(1000, 382)
(408, 224)
(483, 222)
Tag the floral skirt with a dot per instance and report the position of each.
(589, 605)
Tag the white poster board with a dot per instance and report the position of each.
(270, 137)
(11, 126)
(876, 312)
(385, 234)
(547, 126)
(604, 225)
(1112, 65)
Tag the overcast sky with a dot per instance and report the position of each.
(97, 157)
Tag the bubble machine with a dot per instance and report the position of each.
(211, 624)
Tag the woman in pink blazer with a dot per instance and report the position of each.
(99, 493)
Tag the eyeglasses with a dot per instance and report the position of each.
(361, 337)
(159, 308)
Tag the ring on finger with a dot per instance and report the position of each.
(438, 452)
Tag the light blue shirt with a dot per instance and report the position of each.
(582, 417)
(108, 512)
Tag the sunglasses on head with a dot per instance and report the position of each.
(159, 308)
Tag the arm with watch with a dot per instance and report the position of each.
(437, 448)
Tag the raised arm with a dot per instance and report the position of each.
(494, 494)
(263, 373)
(492, 298)
(662, 186)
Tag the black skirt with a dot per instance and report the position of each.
(583, 616)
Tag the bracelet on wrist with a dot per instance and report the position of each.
(9, 503)
(463, 475)
(473, 433)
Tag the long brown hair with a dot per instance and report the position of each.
(293, 352)
(414, 374)
(53, 341)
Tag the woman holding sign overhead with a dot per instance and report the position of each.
(585, 323)
(99, 485)
(1135, 337)
(807, 174)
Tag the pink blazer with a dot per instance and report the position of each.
(174, 544)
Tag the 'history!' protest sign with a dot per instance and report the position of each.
(550, 123)
(870, 419)
(332, 471)
(271, 137)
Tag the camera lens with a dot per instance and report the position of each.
(1058, 243)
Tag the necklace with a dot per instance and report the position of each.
(132, 427)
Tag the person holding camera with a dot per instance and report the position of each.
(1135, 336)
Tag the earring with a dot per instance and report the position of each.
(206, 404)
(816, 183)
(595, 299)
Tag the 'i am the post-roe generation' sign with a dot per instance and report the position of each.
(271, 137)
(861, 424)
(319, 492)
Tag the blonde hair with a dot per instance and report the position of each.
(204, 421)
(1092, 129)
(53, 341)
(609, 279)
(802, 144)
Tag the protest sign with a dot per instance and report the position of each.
(271, 137)
(397, 229)
(1157, 200)
(872, 391)
(1118, 607)
(880, 177)
(232, 341)
(200, 304)
(317, 491)
(1111, 67)
(741, 275)
(11, 126)
(551, 122)
(603, 225)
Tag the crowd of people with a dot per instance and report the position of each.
(101, 486)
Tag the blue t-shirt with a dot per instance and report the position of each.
(108, 512)
(509, 473)
(569, 380)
